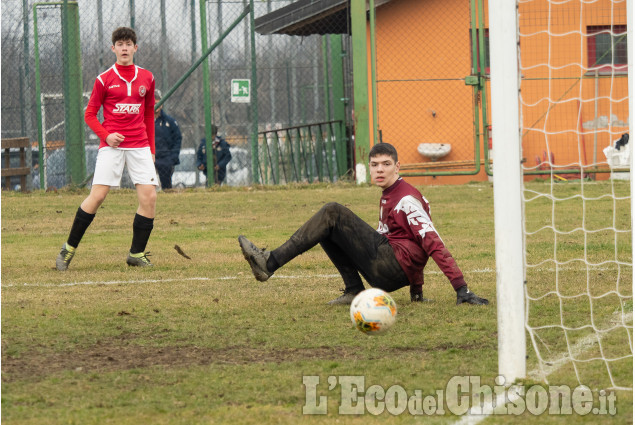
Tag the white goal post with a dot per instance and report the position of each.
(507, 189)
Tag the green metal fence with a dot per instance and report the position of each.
(52, 55)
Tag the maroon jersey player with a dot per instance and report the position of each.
(391, 257)
(126, 93)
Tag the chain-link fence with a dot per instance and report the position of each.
(290, 79)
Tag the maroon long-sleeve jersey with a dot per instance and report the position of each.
(404, 218)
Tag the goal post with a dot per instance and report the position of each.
(507, 190)
(630, 16)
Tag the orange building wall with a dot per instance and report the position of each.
(424, 54)
(421, 92)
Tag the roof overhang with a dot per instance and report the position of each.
(308, 17)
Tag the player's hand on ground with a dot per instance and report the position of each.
(464, 295)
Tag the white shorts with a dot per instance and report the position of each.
(110, 163)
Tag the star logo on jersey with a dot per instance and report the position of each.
(127, 108)
(142, 91)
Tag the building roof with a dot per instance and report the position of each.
(308, 17)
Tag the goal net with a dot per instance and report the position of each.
(574, 191)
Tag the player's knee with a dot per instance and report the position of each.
(147, 198)
(151, 197)
(98, 198)
(332, 208)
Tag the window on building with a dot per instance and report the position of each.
(607, 48)
(486, 42)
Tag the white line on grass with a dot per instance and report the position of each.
(582, 345)
(116, 282)
(106, 282)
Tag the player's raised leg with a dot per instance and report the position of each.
(353, 246)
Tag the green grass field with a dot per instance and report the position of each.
(200, 341)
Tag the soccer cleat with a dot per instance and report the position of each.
(464, 295)
(345, 299)
(64, 257)
(256, 257)
(139, 260)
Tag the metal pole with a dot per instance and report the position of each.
(165, 51)
(100, 34)
(327, 100)
(197, 82)
(373, 71)
(482, 90)
(73, 92)
(254, 95)
(360, 88)
(272, 73)
(131, 9)
(339, 102)
(207, 95)
(25, 101)
(38, 100)
(510, 290)
(630, 13)
(220, 65)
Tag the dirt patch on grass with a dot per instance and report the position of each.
(113, 356)
(119, 354)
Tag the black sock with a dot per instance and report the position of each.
(141, 229)
(80, 224)
(272, 263)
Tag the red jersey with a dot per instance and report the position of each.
(127, 96)
(404, 218)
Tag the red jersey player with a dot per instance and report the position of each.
(126, 93)
(391, 257)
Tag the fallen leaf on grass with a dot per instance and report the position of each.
(180, 251)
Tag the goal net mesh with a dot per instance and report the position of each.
(576, 191)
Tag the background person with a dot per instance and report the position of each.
(222, 155)
(389, 258)
(126, 92)
(167, 136)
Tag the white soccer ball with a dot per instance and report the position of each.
(373, 311)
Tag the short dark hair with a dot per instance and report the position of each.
(123, 34)
(383, 149)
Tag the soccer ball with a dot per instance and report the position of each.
(373, 311)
